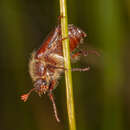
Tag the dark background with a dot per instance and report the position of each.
(102, 100)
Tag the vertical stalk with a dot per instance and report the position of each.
(67, 64)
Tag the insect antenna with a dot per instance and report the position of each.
(24, 97)
(54, 106)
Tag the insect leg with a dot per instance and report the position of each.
(72, 69)
(76, 55)
(24, 97)
(55, 67)
(54, 106)
(64, 38)
(50, 94)
(93, 52)
(79, 53)
(59, 19)
(81, 69)
(84, 53)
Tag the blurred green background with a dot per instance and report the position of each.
(102, 95)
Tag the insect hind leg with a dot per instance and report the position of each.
(72, 69)
(81, 69)
(84, 53)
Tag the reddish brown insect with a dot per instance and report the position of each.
(47, 64)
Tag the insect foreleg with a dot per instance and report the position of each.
(54, 106)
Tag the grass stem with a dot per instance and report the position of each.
(67, 64)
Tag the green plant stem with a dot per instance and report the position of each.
(67, 64)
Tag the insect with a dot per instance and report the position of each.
(47, 63)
